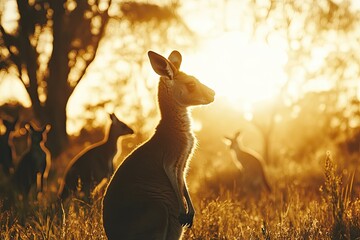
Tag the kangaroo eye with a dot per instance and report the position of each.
(191, 86)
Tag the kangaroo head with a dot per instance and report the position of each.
(184, 89)
(10, 126)
(232, 142)
(119, 128)
(37, 135)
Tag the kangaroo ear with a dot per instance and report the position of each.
(10, 126)
(112, 117)
(175, 58)
(161, 65)
(47, 128)
(226, 140)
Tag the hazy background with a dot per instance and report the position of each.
(286, 73)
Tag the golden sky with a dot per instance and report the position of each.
(240, 68)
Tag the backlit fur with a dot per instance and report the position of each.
(145, 198)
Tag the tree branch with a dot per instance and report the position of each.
(58, 63)
(27, 53)
(94, 42)
(9, 41)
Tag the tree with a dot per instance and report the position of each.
(51, 47)
(138, 28)
(320, 38)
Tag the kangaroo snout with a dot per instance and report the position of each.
(128, 130)
(209, 95)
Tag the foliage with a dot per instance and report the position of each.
(138, 28)
(312, 29)
(49, 46)
(319, 38)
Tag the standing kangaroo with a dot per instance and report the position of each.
(145, 197)
(94, 163)
(253, 171)
(6, 156)
(34, 166)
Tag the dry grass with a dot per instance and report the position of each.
(291, 211)
(76, 220)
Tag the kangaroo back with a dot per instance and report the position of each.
(93, 164)
(145, 197)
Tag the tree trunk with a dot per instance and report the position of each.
(57, 139)
(58, 90)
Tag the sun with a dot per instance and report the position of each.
(238, 69)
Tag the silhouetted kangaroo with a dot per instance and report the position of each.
(94, 163)
(252, 166)
(6, 158)
(35, 164)
(145, 198)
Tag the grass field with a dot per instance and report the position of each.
(327, 207)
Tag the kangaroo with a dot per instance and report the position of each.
(94, 163)
(34, 166)
(145, 197)
(251, 164)
(6, 156)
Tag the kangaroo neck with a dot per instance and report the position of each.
(238, 151)
(36, 146)
(110, 143)
(174, 117)
(36, 149)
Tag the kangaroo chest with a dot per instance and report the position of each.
(181, 149)
(38, 154)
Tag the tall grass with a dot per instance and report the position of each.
(338, 200)
(291, 211)
(75, 220)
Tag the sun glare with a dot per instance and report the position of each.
(11, 90)
(237, 69)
